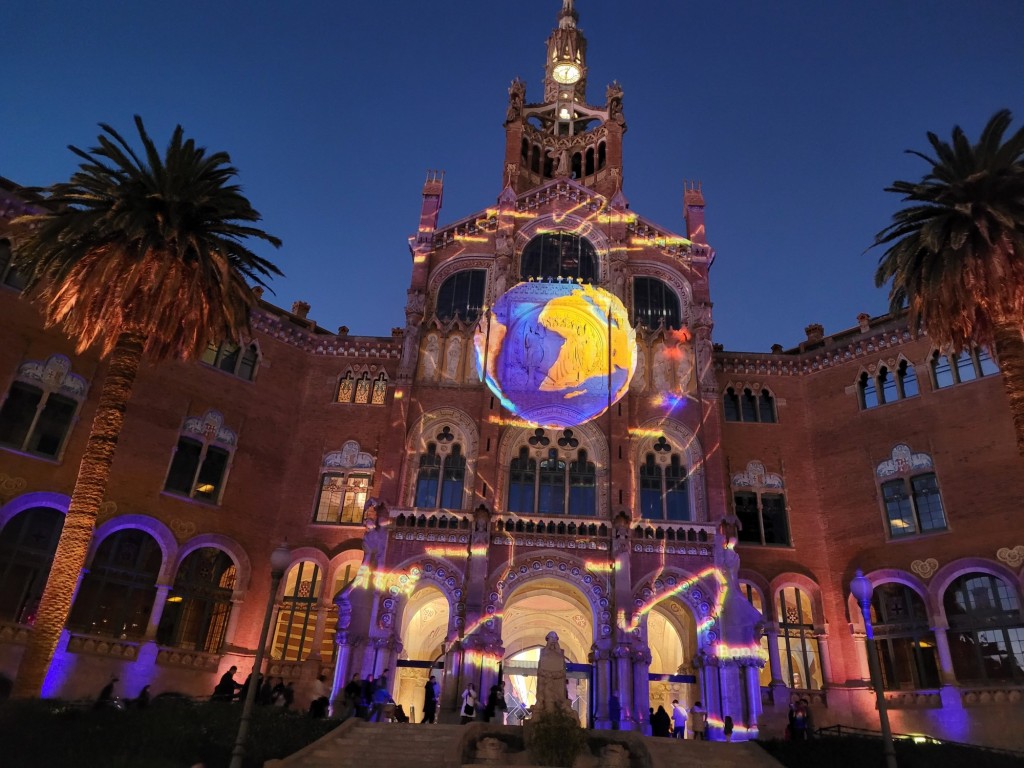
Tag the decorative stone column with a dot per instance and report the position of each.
(318, 630)
(623, 656)
(826, 659)
(159, 603)
(947, 673)
(601, 659)
(343, 667)
(642, 688)
(774, 662)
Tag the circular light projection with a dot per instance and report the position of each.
(556, 354)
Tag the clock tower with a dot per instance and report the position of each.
(564, 136)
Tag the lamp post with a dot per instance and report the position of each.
(279, 560)
(861, 590)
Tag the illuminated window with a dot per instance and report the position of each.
(904, 641)
(462, 296)
(40, 407)
(746, 406)
(297, 616)
(119, 586)
(910, 493)
(453, 479)
(556, 485)
(198, 607)
(440, 481)
(986, 633)
(200, 462)
(914, 505)
(363, 389)
(655, 304)
(428, 478)
(799, 651)
(342, 498)
(664, 494)
(380, 389)
(236, 360)
(559, 254)
(346, 388)
(970, 364)
(27, 544)
(8, 276)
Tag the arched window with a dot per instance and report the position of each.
(906, 376)
(118, 589)
(559, 254)
(564, 482)
(753, 596)
(522, 479)
(986, 633)
(602, 155)
(887, 391)
(942, 372)
(296, 620)
(380, 389)
(462, 295)
(582, 486)
(428, 478)
(200, 462)
(199, 605)
(799, 652)
(589, 166)
(903, 638)
(969, 365)
(40, 407)
(731, 402)
(346, 388)
(655, 304)
(363, 389)
(868, 391)
(453, 479)
(27, 544)
(748, 406)
(766, 407)
(551, 485)
(664, 493)
(233, 359)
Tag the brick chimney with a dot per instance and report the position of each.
(815, 333)
(864, 321)
(300, 309)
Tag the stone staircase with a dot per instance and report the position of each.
(358, 744)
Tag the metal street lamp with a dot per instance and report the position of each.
(861, 589)
(279, 560)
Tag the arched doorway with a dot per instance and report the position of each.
(424, 631)
(672, 638)
(531, 612)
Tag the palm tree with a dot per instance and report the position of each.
(955, 254)
(139, 257)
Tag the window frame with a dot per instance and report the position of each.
(909, 502)
(49, 380)
(552, 489)
(247, 355)
(739, 402)
(669, 309)
(982, 365)
(214, 440)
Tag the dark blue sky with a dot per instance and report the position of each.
(794, 115)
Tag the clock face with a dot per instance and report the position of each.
(567, 74)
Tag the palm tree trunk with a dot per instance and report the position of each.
(1009, 349)
(90, 488)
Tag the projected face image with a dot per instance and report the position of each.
(557, 354)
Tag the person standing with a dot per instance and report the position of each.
(318, 706)
(142, 700)
(106, 697)
(660, 722)
(727, 727)
(698, 721)
(614, 710)
(431, 693)
(225, 689)
(469, 700)
(678, 719)
(495, 701)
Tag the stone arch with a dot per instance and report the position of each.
(412, 575)
(341, 559)
(455, 264)
(701, 594)
(684, 439)
(591, 438)
(571, 224)
(948, 573)
(526, 629)
(234, 550)
(891, 576)
(424, 432)
(673, 279)
(58, 501)
(155, 528)
(551, 565)
(803, 583)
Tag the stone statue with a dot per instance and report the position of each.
(639, 382)
(662, 378)
(452, 358)
(551, 680)
(430, 358)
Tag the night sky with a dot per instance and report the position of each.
(793, 115)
